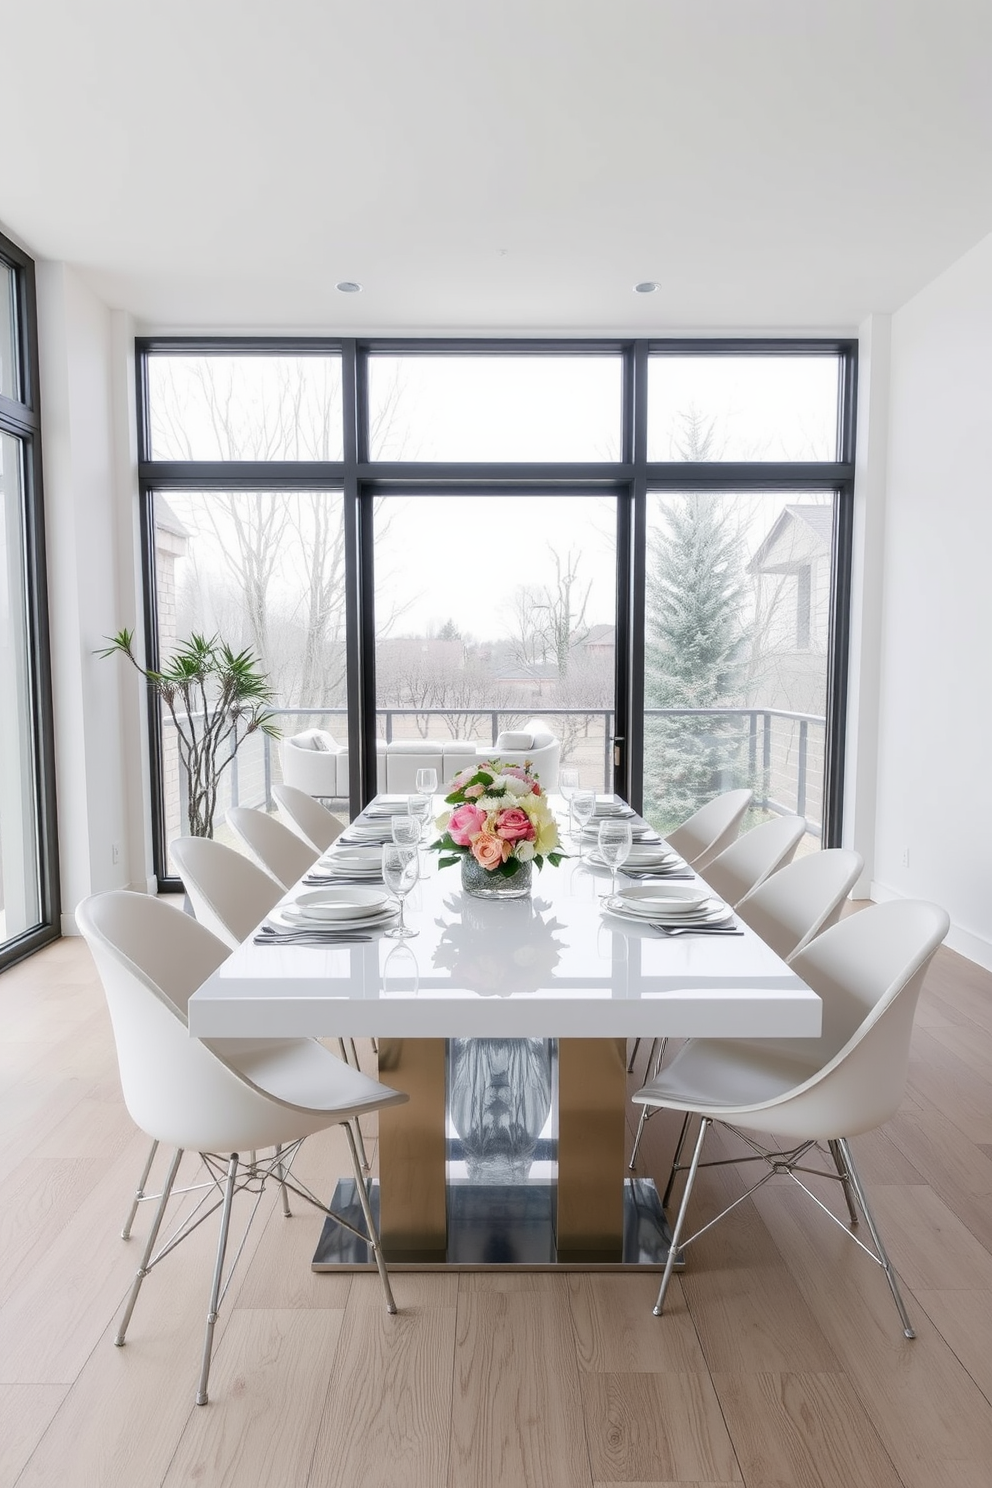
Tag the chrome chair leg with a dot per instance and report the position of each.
(845, 1179)
(646, 1111)
(633, 1056)
(673, 1248)
(281, 1178)
(225, 1226)
(374, 1240)
(353, 1061)
(142, 1271)
(139, 1193)
(675, 1162)
(883, 1258)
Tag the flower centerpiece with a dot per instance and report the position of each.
(499, 826)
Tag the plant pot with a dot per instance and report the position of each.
(483, 884)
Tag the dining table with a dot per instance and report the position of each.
(506, 1022)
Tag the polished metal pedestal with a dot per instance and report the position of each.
(509, 1153)
(493, 1228)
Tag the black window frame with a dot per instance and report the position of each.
(630, 479)
(20, 417)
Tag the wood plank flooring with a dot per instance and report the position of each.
(779, 1362)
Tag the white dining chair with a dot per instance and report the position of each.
(227, 1099)
(317, 826)
(231, 896)
(281, 852)
(709, 830)
(754, 857)
(868, 970)
(229, 893)
(787, 911)
(802, 899)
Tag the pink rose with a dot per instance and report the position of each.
(472, 792)
(488, 851)
(464, 822)
(514, 825)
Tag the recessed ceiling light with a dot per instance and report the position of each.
(646, 286)
(348, 286)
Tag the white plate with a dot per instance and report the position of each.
(712, 912)
(654, 900)
(641, 857)
(349, 858)
(285, 917)
(339, 903)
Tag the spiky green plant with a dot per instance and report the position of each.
(216, 697)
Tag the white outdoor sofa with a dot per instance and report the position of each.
(315, 762)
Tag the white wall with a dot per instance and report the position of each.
(89, 524)
(934, 811)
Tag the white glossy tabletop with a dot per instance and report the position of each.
(551, 966)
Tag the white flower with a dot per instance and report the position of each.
(524, 852)
(515, 787)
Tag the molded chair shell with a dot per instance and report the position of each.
(705, 834)
(802, 899)
(754, 857)
(311, 821)
(230, 894)
(281, 852)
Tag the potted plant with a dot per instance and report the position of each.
(216, 697)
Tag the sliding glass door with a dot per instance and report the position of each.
(493, 609)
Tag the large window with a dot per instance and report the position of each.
(645, 544)
(28, 864)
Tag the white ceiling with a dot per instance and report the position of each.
(498, 167)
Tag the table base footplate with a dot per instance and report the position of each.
(494, 1227)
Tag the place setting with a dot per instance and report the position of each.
(329, 916)
(673, 910)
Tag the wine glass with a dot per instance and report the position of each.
(614, 846)
(568, 782)
(583, 806)
(400, 871)
(420, 808)
(405, 829)
(426, 781)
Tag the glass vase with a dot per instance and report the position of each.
(486, 885)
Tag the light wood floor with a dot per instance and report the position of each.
(781, 1361)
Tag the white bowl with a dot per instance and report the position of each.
(339, 904)
(663, 899)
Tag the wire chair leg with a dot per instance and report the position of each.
(281, 1177)
(673, 1248)
(139, 1193)
(883, 1256)
(374, 1240)
(633, 1056)
(646, 1111)
(353, 1061)
(845, 1177)
(675, 1162)
(142, 1270)
(225, 1226)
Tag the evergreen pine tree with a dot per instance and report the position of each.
(695, 646)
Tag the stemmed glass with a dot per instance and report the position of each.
(614, 846)
(420, 808)
(568, 784)
(583, 806)
(426, 781)
(406, 830)
(400, 871)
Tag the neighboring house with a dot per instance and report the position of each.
(791, 571)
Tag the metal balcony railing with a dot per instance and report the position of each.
(780, 752)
